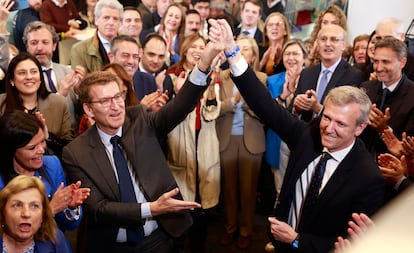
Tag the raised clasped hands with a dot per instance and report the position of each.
(166, 203)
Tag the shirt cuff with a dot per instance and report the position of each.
(198, 78)
(238, 68)
(397, 185)
(145, 210)
(72, 214)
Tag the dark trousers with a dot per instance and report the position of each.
(158, 242)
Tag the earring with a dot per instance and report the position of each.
(12, 84)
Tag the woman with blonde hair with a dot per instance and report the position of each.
(242, 143)
(27, 223)
(276, 33)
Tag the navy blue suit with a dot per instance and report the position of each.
(344, 74)
(356, 185)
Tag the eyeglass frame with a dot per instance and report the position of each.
(332, 39)
(106, 102)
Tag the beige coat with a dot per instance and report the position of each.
(254, 135)
(86, 54)
(55, 110)
(182, 155)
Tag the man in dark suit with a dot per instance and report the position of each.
(41, 41)
(351, 181)
(313, 85)
(156, 211)
(152, 63)
(395, 28)
(250, 15)
(395, 109)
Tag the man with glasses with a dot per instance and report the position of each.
(316, 81)
(135, 205)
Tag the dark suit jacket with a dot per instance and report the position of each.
(356, 186)
(258, 36)
(344, 74)
(401, 104)
(146, 17)
(85, 159)
(144, 84)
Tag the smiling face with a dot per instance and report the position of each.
(173, 19)
(331, 43)
(27, 159)
(23, 215)
(338, 126)
(387, 66)
(108, 22)
(40, 44)
(293, 57)
(127, 55)
(195, 52)
(108, 119)
(27, 77)
(250, 15)
(131, 23)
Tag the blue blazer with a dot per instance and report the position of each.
(144, 84)
(52, 175)
(49, 247)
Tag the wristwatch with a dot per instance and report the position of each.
(295, 243)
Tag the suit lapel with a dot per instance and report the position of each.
(104, 169)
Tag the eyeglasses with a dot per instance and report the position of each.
(119, 98)
(277, 24)
(332, 39)
(292, 53)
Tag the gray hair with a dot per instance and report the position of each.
(112, 4)
(345, 95)
(37, 25)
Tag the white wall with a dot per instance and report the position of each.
(363, 15)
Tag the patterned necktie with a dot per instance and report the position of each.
(313, 190)
(52, 86)
(385, 93)
(322, 85)
(125, 187)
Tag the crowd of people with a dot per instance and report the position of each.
(171, 107)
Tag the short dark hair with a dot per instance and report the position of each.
(192, 11)
(194, 2)
(396, 45)
(120, 38)
(151, 36)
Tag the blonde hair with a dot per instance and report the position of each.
(285, 23)
(255, 48)
(47, 230)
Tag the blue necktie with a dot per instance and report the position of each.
(313, 190)
(125, 187)
(246, 33)
(385, 93)
(49, 80)
(322, 85)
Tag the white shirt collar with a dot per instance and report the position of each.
(106, 138)
(56, 2)
(251, 31)
(340, 154)
(393, 86)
